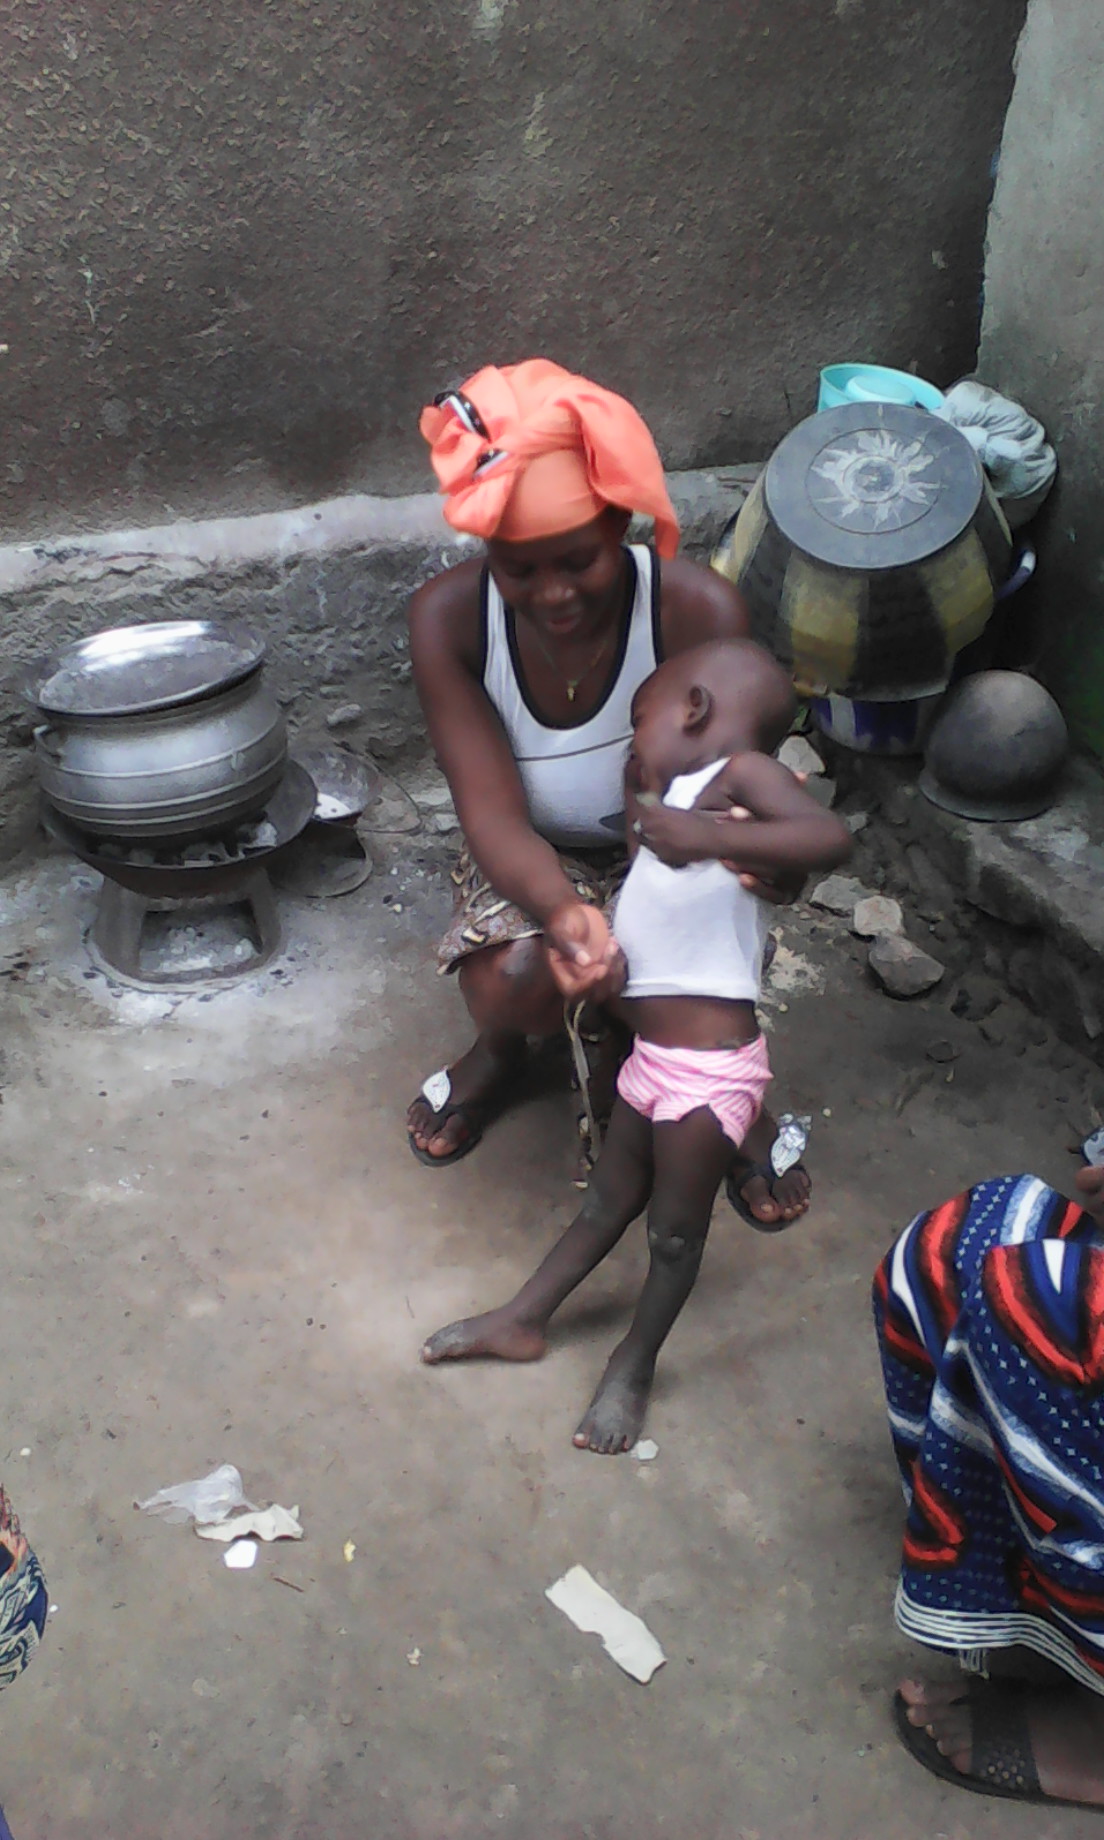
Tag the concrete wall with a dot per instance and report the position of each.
(1043, 329)
(240, 244)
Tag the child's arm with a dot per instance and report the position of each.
(786, 833)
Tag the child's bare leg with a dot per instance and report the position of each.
(691, 1158)
(618, 1192)
(783, 1197)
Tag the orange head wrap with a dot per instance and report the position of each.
(532, 451)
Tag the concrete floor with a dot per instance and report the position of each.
(217, 1248)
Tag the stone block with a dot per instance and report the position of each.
(877, 917)
(838, 894)
(800, 756)
(903, 969)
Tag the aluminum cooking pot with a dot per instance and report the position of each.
(160, 731)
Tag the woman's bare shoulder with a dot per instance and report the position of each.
(697, 604)
(446, 609)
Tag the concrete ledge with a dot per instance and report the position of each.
(326, 584)
(1041, 882)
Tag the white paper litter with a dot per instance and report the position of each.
(210, 1499)
(240, 1556)
(625, 1638)
(273, 1523)
(646, 1451)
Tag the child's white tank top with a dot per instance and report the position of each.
(573, 773)
(692, 932)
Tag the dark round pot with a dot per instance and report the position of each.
(996, 749)
(869, 551)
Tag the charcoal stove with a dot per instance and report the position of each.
(185, 889)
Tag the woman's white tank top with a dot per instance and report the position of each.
(573, 773)
(692, 932)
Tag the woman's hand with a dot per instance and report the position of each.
(672, 835)
(785, 891)
(585, 959)
(781, 893)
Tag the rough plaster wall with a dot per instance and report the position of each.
(1043, 330)
(239, 245)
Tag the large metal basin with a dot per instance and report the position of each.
(188, 771)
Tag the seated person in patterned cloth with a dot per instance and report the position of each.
(704, 727)
(23, 1605)
(990, 1318)
(526, 663)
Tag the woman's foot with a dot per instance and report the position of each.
(497, 1336)
(1065, 1723)
(473, 1083)
(614, 1418)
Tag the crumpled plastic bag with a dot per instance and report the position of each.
(1011, 445)
(273, 1523)
(209, 1500)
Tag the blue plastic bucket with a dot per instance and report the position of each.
(875, 728)
(852, 383)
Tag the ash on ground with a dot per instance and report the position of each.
(206, 943)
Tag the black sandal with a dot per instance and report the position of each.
(435, 1092)
(1002, 1762)
(735, 1183)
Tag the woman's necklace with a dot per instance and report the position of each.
(571, 683)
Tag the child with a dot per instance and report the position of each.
(705, 725)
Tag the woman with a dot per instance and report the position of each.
(526, 665)
(990, 1317)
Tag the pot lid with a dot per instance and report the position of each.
(873, 486)
(132, 670)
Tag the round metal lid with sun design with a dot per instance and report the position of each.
(873, 486)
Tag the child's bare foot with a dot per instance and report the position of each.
(497, 1336)
(614, 1418)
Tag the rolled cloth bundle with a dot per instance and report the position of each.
(532, 451)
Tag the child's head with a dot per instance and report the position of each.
(724, 698)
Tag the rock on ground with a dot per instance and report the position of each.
(800, 755)
(838, 894)
(902, 969)
(877, 917)
(822, 789)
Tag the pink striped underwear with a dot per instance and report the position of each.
(668, 1083)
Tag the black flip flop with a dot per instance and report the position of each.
(474, 1124)
(1001, 1758)
(736, 1181)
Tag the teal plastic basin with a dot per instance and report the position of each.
(852, 383)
